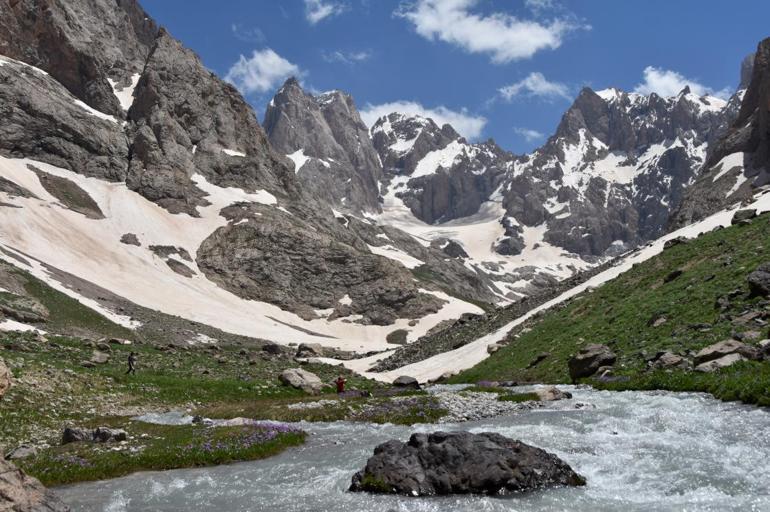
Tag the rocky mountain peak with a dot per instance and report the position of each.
(328, 143)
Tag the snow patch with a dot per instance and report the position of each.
(299, 159)
(126, 94)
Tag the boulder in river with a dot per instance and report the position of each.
(552, 393)
(20, 492)
(461, 463)
(301, 379)
(589, 359)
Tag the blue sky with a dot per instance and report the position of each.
(506, 69)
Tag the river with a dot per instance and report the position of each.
(640, 451)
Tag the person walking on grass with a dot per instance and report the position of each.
(131, 363)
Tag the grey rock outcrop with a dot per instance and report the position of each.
(341, 165)
(725, 348)
(301, 379)
(82, 45)
(39, 119)
(20, 492)
(407, 382)
(461, 463)
(185, 120)
(589, 359)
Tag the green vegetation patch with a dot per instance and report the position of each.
(645, 311)
(160, 447)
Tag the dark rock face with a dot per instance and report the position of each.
(743, 151)
(461, 463)
(465, 177)
(301, 268)
(589, 359)
(343, 168)
(39, 119)
(80, 44)
(185, 121)
(20, 492)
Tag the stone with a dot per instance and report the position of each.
(717, 364)
(552, 393)
(724, 348)
(272, 348)
(494, 347)
(445, 463)
(589, 359)
(6, 380)
(669, 360)
(105, 435)
(538, 359)
(406, 382)
(21, 452)
(130, 239)
(680, 240)
(301, 379)
(76, 435)
(98, 357)
(672, 275)
(310, 350)
(759, 281)
(20, 492)
(743, 215)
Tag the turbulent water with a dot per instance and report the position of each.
(639, 452)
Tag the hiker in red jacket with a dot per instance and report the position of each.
(340, 382)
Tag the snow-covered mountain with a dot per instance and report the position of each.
(605, 182)
(739, 162)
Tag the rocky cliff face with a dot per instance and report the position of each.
(147, 113)
(86, 46)
(739, 162)
(329, 144)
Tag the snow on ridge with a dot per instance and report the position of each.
(445, 157)
(396, 254)
(95, 113)
(728, 163)
(126, 94)
(299, 158)
(232, 152)
(222, 197)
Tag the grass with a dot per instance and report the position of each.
(160, 447)
(67, 314)
(622, 314)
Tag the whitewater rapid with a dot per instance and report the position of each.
(640, 451)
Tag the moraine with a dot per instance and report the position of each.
(639, 451)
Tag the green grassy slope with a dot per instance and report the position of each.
(623, 312)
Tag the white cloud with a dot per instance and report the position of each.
(665, 82)
(261, 72)
(535, 85)
(504, 37)
(318, 10)
(467, 125)
(528, 134)
(538, 6)
(346, 57)
(247, 34)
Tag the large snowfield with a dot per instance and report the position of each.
(44, 232)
